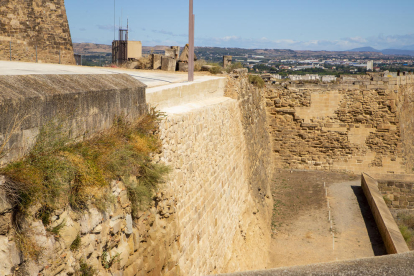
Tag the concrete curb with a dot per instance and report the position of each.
(388, 228)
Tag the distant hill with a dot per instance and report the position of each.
(91, 49)
(408, 47)
(365, 49)
(398, 52)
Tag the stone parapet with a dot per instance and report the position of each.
(89, 103)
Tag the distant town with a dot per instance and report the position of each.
(279, 62)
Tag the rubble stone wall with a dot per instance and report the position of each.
(40, 23)
(359, 126)
(398, 194)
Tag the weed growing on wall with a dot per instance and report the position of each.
(59, 171)
(256, 81)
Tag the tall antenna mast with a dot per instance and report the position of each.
(114, 20)
(191, 43)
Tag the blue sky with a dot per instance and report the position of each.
(287, 24)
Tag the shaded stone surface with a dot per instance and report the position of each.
(398, 264)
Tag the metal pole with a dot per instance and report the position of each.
(191, 44)
(114, 19)
(10, 50)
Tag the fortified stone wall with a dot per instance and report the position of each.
(210, 217)
(358, 126)
(40, 23)
(220, 154)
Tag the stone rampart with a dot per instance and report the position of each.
(210, 216)
(88, 102)
(221, 176)
(357, 126)
(35, 24)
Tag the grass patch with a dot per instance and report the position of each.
(59, 171)
(236, 65)
(256, 81)
(406, 233)
(85, 269)
(76, 243)
(216, 69)
(108, 262)
(27, 246)
(55, 230)
(405, 223)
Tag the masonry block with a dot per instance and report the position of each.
(168, 64)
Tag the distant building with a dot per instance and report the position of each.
(328, 78)
(370, 65)
(307, 77)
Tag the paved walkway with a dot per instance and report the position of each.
(150, 78)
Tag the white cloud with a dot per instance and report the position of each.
(380, 42)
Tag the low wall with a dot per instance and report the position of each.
(390, 233)
(88, 102)
(179, 93)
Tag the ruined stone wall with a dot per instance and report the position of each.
(352, 127)
(30, 23)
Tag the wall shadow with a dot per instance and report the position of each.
(373, 232)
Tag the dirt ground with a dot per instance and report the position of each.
(320, 217)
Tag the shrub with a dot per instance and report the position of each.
(406, 233)
(256, 81)
(198, 64)
(236, 65)
(215, 70)
(59, 172)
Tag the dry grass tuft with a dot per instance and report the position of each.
(59, 172)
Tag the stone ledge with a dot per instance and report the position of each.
(390, 233)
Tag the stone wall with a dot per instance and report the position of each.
(88, 102)
(397, 190)
(210, 217)
(352, 126)
(220, 154)
(149, 245)
(40, 23)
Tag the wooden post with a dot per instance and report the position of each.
(191, 44)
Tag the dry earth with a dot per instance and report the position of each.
(302, 232)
